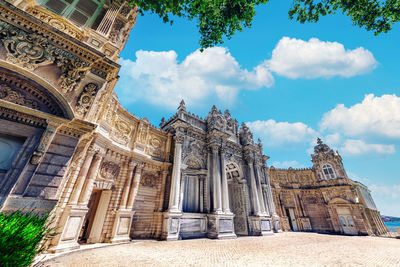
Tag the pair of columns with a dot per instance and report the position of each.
(131, 186)
(220, 182)
(83, 187)
(261, 204)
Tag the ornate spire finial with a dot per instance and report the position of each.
(162, 122)
(227, 114)
(182, 106)
(319, 141)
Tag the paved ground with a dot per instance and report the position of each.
(284, 249)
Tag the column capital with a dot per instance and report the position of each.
(223, 149)
(179, 139)
(214, 148)
(249, 160)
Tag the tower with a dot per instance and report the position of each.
(327, 163)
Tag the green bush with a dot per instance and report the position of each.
(20, 236)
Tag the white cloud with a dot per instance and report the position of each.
(295, 58)
(374, 115)
(358, 147)
(158, 77)
(333, 139)
(276, 133)
(287, 164)
(387, 190)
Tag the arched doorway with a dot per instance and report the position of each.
(237, 197)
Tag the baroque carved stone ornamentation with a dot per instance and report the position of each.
(109, 170)
(30, 50)
(7, 94)
(149, 180)
(246, 137)
(116, 31)
(86, 98)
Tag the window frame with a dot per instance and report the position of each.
(70, 8)
(328, 175)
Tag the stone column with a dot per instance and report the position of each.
(134, 186)
(254, 192)
(176, 176)
(225, 192)
(127, 186)
(201, 184)
(45, 141)
(81, 177)
(259, 188)
(87, 189)
(216, 181)
(270, 200)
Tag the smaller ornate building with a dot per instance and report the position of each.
(323, 198)
(219, 185)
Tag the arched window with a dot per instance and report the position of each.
(342, 221)
(350, 221)
(80, 12)
(328, 171)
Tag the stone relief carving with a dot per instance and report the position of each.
(122, 131)
(7, 94)
(86, 98)
(109, 170)
(149, 180)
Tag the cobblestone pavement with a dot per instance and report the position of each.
(283, 249)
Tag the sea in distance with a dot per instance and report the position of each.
(392, 226)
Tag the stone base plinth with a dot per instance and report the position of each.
(171, 226)
(260, 225)
(122, 226)
(277, 224)
(72, 220)
(220, 226)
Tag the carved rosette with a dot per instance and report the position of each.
(86, 98)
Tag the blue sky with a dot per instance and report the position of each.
(290, 82)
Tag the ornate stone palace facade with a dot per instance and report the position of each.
(323, 198)
(68, 147)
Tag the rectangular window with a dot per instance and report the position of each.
(80, 12)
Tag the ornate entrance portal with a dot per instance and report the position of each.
(237, 200)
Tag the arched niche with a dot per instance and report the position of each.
(26, 89)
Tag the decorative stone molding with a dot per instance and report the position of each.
(56, 21)
(7, 94)
(86, 98)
